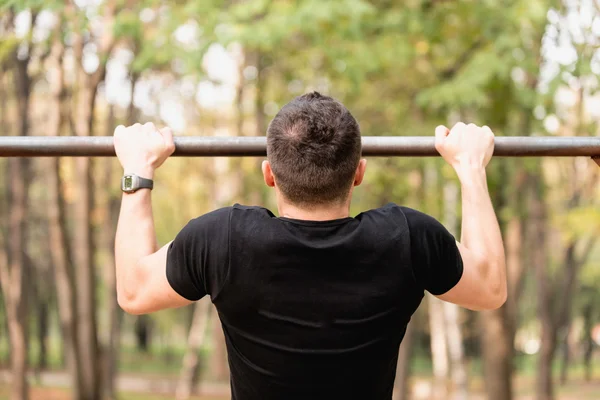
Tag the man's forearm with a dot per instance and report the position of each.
(135, 239)
(480, 230)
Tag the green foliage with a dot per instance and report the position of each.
(22, 5)
(7, 47)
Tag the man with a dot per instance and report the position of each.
(313, 303)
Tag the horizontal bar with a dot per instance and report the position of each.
(187, 146)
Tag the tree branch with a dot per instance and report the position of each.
(566, 286)
(106, 45)
(587, 250)
(451, 71)
(4, 271)
(573, 264)
(77, 38)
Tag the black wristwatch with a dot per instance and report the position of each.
(130, 183)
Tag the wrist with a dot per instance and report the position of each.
(470, 172)
(142, 171)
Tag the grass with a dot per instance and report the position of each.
(166, 364)
(45, 393)
(573, 390)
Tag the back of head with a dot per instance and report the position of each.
(314, 147)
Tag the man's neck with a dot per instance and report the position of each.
(324, 213)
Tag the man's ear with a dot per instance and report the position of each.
(360, 172)
(268, 174)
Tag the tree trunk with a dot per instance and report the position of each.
(13, 270)
(566, 355)
(17, 325)
(539, 227)
(83, 241)
(401, 384)
(437, 324)
(218, 359)
(588, 341)
(514, 236)
(5, 334)
(14, 276)
(545, 386)
(497, 348)
(143, 335)
(259, 106)
(554, 295)
(40, 300)
(498, 327)
(57, 227)
(557, 321)
(42, 332)
(82, 255)
(191, 359)
(458, 370)
(109, 204)
(439, 350)
(587, 359)
(63, 274)
(4, 342)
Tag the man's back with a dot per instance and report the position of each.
(313, 309)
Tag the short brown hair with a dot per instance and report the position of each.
(314, 147)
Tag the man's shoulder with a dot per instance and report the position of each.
(258, 210)
(387, 210)
(220, 219)
(226, 213)
(415, 219)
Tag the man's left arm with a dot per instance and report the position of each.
(142, 285)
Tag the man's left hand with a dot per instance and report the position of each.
(141, 149)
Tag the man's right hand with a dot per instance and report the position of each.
(465, 146)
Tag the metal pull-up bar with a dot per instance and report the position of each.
(210, 146)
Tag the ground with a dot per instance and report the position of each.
(573, 390)
(153, 376)
(39, 393)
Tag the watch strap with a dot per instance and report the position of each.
(144, 183)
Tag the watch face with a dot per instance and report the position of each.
(128, 183)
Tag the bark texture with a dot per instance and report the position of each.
(191, 360)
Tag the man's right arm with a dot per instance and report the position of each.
(483, 283)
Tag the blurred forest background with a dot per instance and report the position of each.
(224, 68)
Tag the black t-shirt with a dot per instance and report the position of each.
(313, 309)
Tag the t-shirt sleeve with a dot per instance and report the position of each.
(436, 259)
(198, 257)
